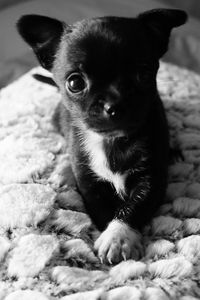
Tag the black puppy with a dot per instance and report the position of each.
(111, 115)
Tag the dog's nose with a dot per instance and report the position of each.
(111, 102)
(110, 110)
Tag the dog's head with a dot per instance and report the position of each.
(105, 67)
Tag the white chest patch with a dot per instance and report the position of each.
(93, 144)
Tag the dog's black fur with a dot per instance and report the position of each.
(115, 61)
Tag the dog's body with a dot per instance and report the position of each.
(111, 115)
(107, 169)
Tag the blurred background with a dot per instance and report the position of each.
(16, 58)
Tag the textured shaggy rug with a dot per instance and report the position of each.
(46, 238)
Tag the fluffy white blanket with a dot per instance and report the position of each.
(46, 238)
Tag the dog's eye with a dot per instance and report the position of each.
(145, 75)
(75, 83)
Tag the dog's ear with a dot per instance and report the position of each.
(160, 22)
(43, 34)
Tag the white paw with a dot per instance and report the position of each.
(118, 242)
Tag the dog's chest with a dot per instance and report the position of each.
(94, 147)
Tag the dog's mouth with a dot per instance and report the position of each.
(122, 128)
(112, 133)
(117, 132)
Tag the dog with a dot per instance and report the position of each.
(111, 115)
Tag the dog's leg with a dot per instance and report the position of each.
(121, 239)
(118, 242)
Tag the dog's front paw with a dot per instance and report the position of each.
(118, 242)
